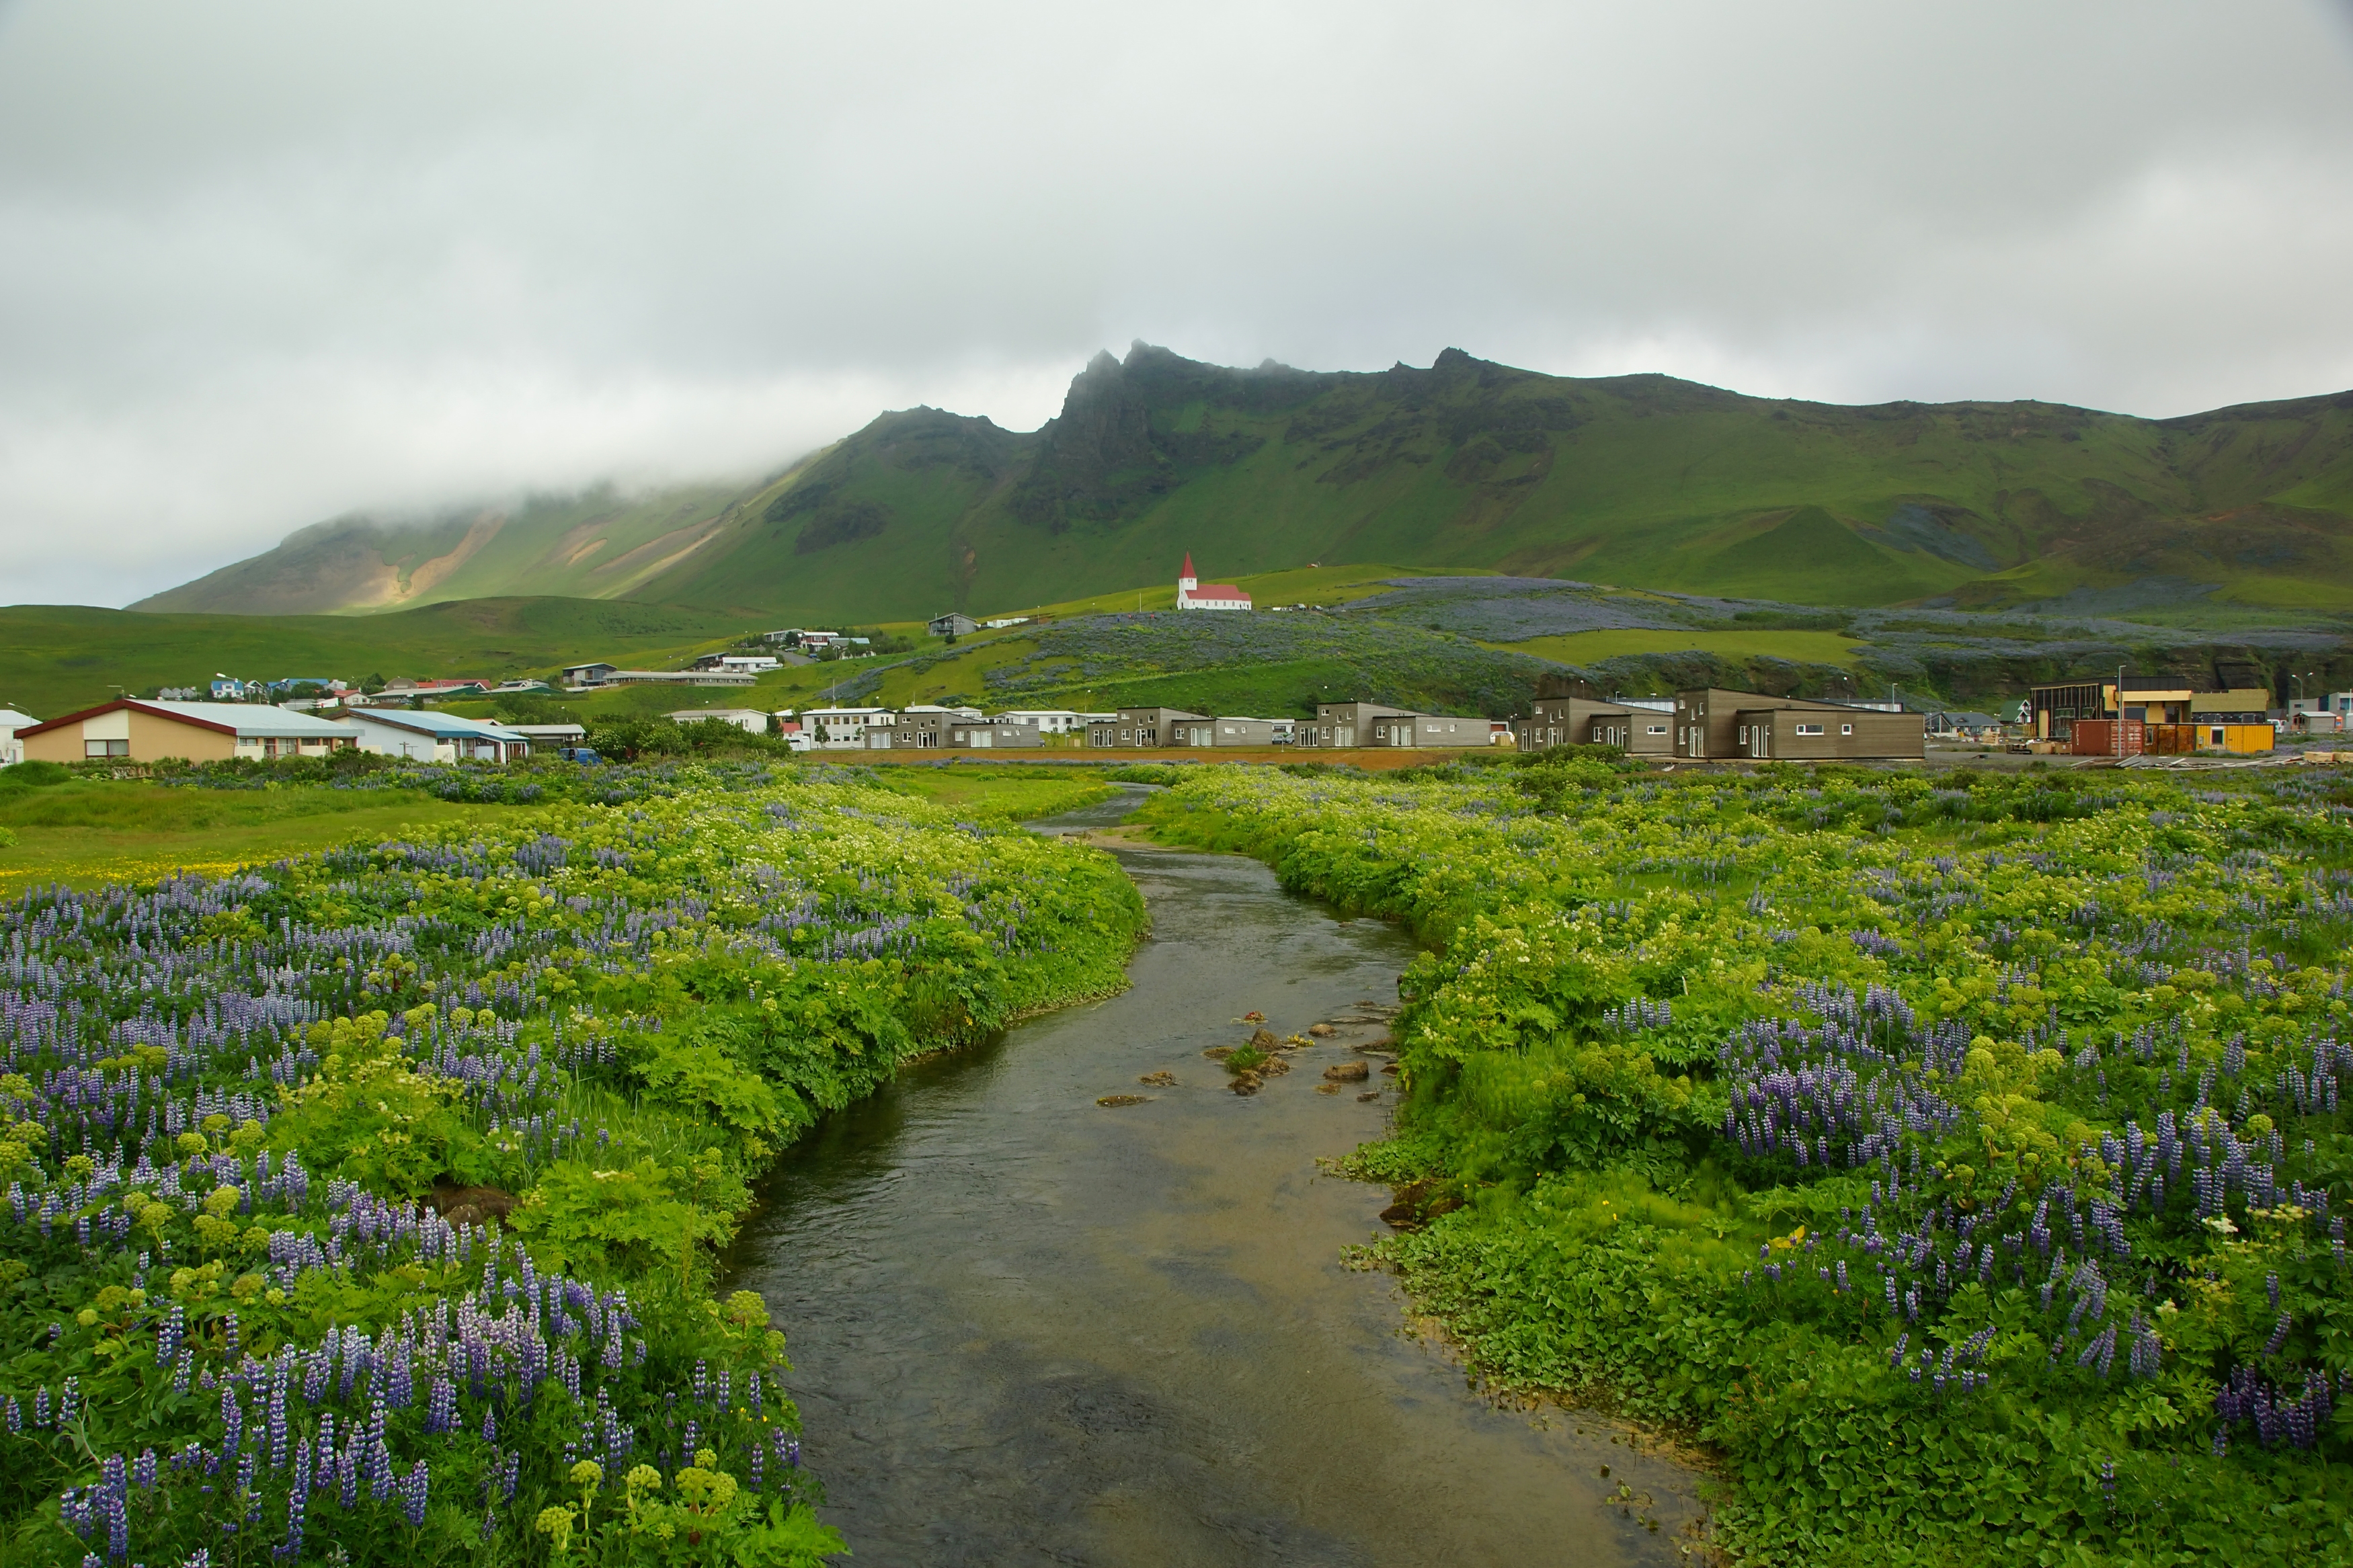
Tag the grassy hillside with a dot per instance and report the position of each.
(600, 545)
(1642, 481)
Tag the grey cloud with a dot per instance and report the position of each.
(261, 263)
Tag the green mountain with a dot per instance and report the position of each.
(1640, 481)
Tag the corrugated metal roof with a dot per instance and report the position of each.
(440, 726)
(251, 719)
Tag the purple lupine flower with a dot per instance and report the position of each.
(113, 1512)
(412, 1494)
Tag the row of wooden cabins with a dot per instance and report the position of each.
(1716, 724)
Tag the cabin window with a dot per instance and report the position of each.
(1846, 729)
(1656, 729)
(122, 748)
(1809, 729)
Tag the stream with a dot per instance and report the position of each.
(1026, 1327)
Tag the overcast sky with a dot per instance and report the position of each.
(264, 263)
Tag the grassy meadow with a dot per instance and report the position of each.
(1957, 1160)
(465, 1111)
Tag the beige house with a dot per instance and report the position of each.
(143, 731)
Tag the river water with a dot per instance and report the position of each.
(1026, 1327)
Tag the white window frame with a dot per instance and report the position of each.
(1809, 729)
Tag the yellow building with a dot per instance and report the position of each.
(143, 731)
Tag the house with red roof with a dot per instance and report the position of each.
(1194, 595)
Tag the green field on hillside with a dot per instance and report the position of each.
(57, 659)
(1591, 648)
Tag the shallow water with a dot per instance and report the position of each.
(1028, 1329)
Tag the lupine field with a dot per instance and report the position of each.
(362, 1208)
(1958, 1160)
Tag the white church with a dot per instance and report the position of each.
(1191, 595)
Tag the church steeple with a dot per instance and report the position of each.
(1186, 582)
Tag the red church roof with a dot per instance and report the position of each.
(1188, 566)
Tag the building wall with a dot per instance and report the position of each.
(1341, 724)
(151, 738)
(1640, 733)
(1419, 729)
(1245, 733)
(1589, 722)
(1847, 735)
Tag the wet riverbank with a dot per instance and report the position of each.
(1030, 1328)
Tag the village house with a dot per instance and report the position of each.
(435, 736)
(953, 626)
(1715, 723)
(11, 722)
(1565, 720)
(1340, 724)
(598, 677)
(551, 737)
(1235, 729)
(848, 729)
(751, 721)
(1950, 724)
(1049, 721)
(1430, 730)
(925, 725)
(1140, 727)
(138, 731)
(991, 734)
(742, 663)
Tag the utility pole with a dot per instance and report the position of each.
(2118, 743)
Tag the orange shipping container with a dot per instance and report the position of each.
(2098, 738)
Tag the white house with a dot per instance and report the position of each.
(751, 721)
(10, 722)
(1048, 721)
(844, 729)
(1193, 594)
(435, 737)
(749, 663)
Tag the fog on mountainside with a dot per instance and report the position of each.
(1641, 480)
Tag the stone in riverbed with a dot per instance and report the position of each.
(1347, 1072)
(1162, 1079)
(1327, 1089)
(1368, 1094)
(1247, 1083)
(1322, 1031)
(1116, 1101)
(1263, 1040)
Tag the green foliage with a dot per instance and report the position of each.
(606, 1017)
(2051, 975)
